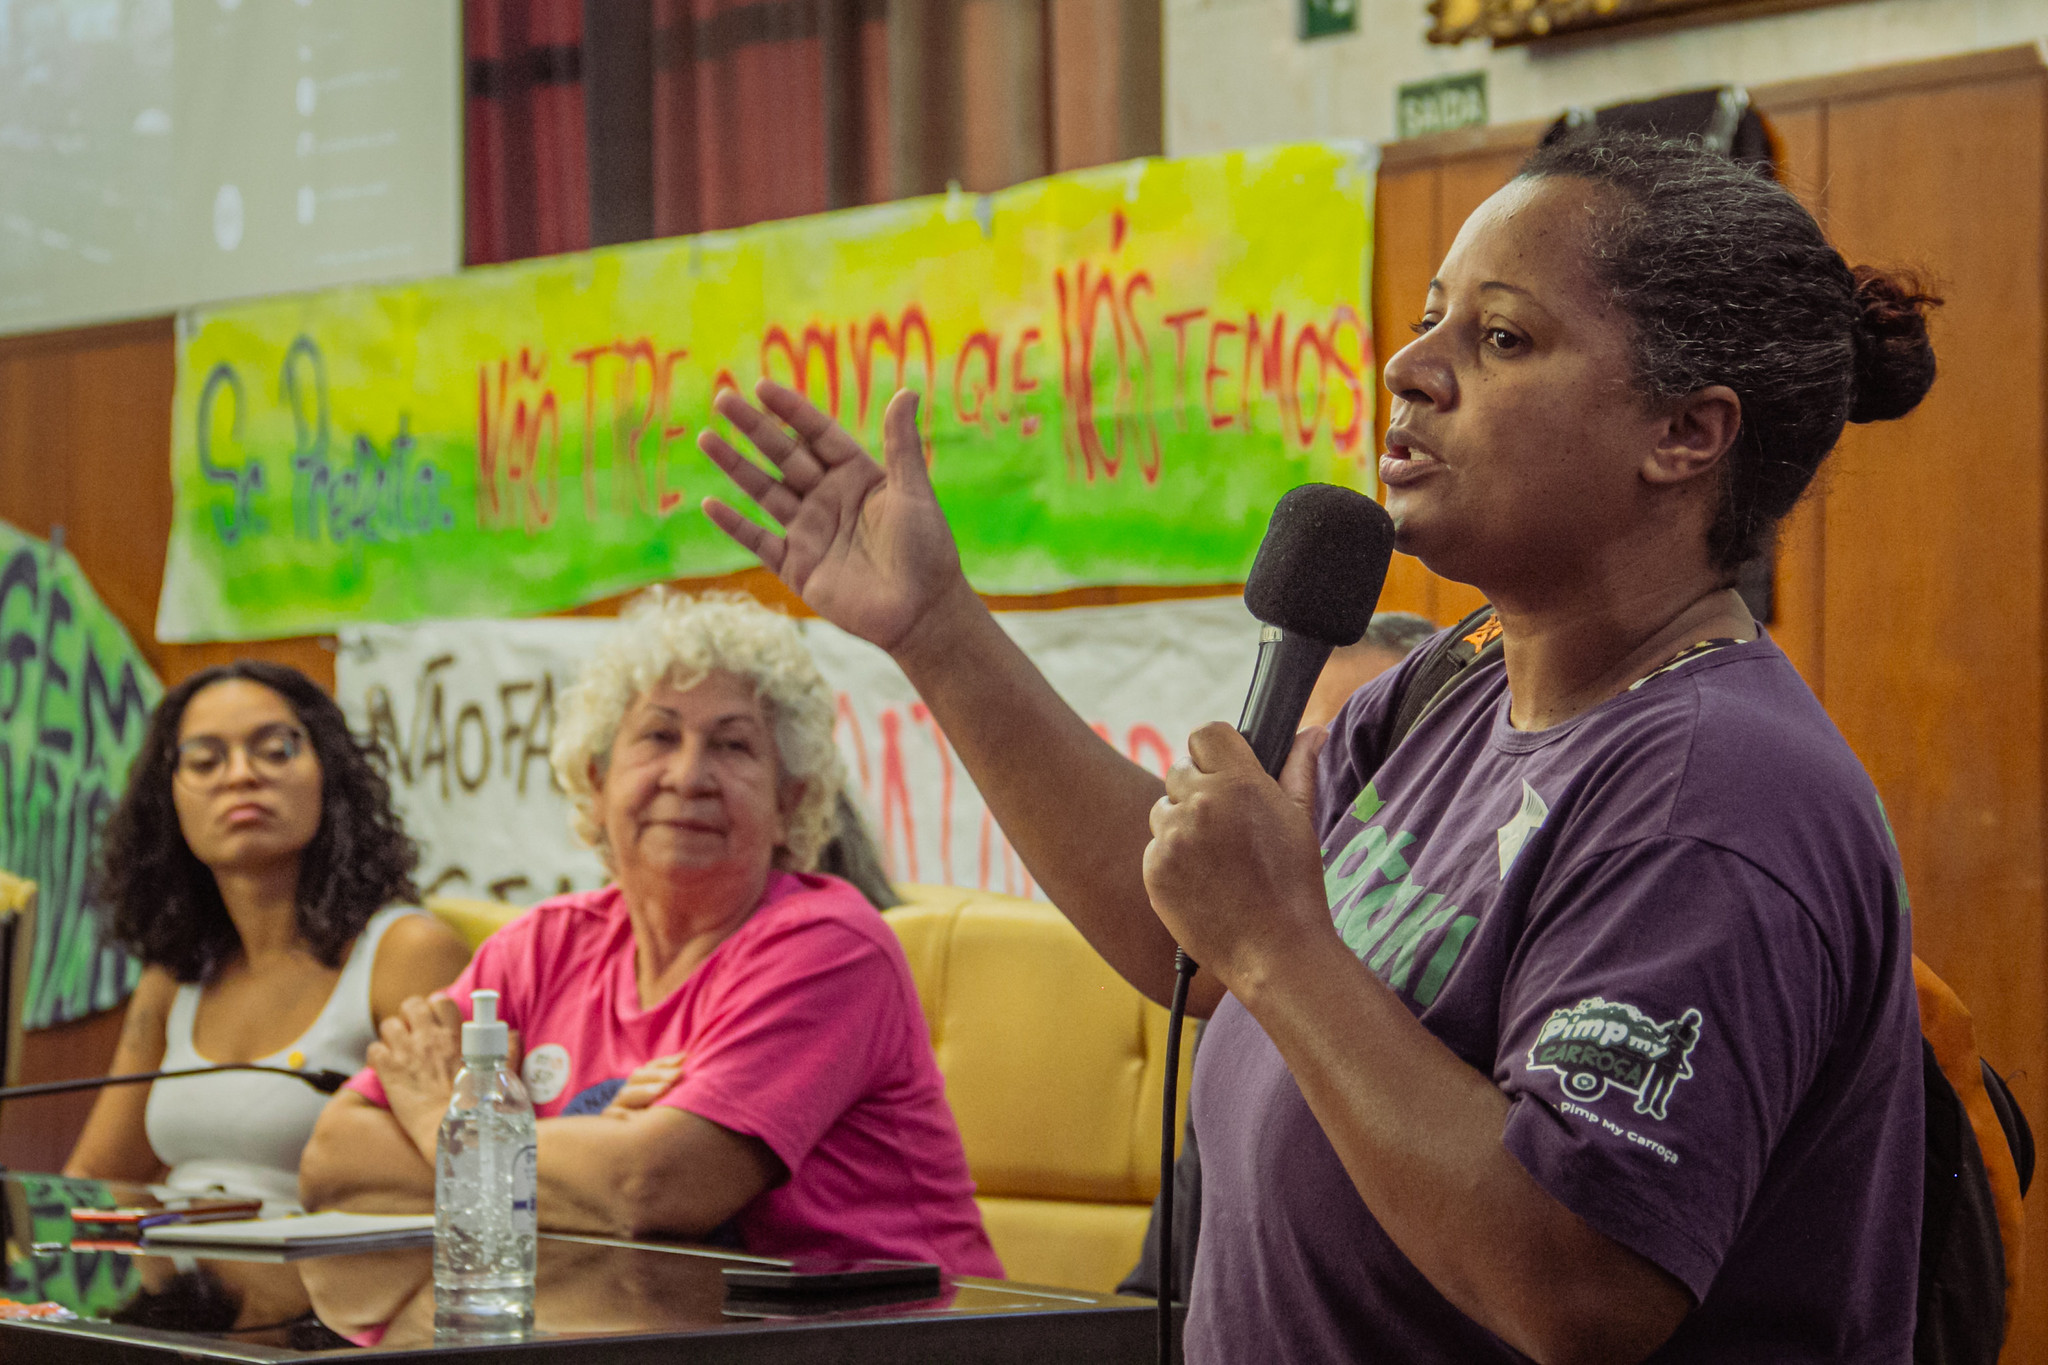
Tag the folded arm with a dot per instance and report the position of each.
(623, 1173)
(636, 1169)
(361, 1159)
(642, 1172)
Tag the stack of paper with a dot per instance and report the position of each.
(301, 1234)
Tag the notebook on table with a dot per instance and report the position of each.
(303, 1234)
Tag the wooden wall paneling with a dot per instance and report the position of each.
(1799, 590)
(1938, 683)
(1404, 257)
(36, 402)
(1934, 647)
(312, 655)
(118, 451)
(38, 1134)
(1905, 78)
(1799, 599)
(83, 415)
(1469, 180)
(85, 443)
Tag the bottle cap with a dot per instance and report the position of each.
(484, 1036)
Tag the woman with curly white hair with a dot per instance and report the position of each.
(721, 1044)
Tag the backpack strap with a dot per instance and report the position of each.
(1963, 1306)
(2019, 1134)
(1945, 1025)
(1473, 641)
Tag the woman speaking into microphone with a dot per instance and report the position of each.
(1581, 1025)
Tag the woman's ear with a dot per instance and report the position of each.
(1699, 431)
(789, 794)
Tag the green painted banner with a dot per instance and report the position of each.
(75, 698)
(1123, 370)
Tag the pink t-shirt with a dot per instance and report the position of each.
(802, 1029)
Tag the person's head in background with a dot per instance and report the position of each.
(247, 778)
(665, 806)
(256, 866)
(851, 855)
(1392, 637)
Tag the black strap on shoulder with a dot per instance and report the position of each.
(1960, 1318)
(1473, 641)
(2019, 1136)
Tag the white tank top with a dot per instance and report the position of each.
(241, 1131)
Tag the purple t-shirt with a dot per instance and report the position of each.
(1674, 931)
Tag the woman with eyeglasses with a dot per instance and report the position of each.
(256, 868)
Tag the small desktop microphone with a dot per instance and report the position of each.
(326, 1082)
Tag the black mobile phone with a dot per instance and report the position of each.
(808, 1276)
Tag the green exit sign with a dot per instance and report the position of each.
(1440, 105)
(1326, 18)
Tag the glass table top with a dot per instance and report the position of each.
(259, 1305)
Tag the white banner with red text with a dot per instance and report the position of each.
(465, 712)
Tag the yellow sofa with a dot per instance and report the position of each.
(475, 920)
(1053, 1066)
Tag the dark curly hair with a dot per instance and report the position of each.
(1728, 280)
(166, 905)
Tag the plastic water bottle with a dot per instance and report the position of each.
(486, 1221)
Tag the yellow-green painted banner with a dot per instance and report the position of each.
(1123, 369)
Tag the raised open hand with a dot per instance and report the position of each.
(864, 546)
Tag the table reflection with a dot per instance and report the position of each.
(583, 1288)
(587, 1287)
(245, 1301)
(98, 1276)
(374, 1299)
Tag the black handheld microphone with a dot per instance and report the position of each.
(1313, 588)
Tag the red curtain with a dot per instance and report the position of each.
(528, 187)
(711, 114)
(742, 128)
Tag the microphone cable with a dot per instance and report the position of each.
(1312, 587)
(1184, 969)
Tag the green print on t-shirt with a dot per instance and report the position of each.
(1385, 926)
(1899, 881)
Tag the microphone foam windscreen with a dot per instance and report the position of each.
(1321, 566)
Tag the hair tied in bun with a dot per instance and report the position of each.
(1894, 359)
